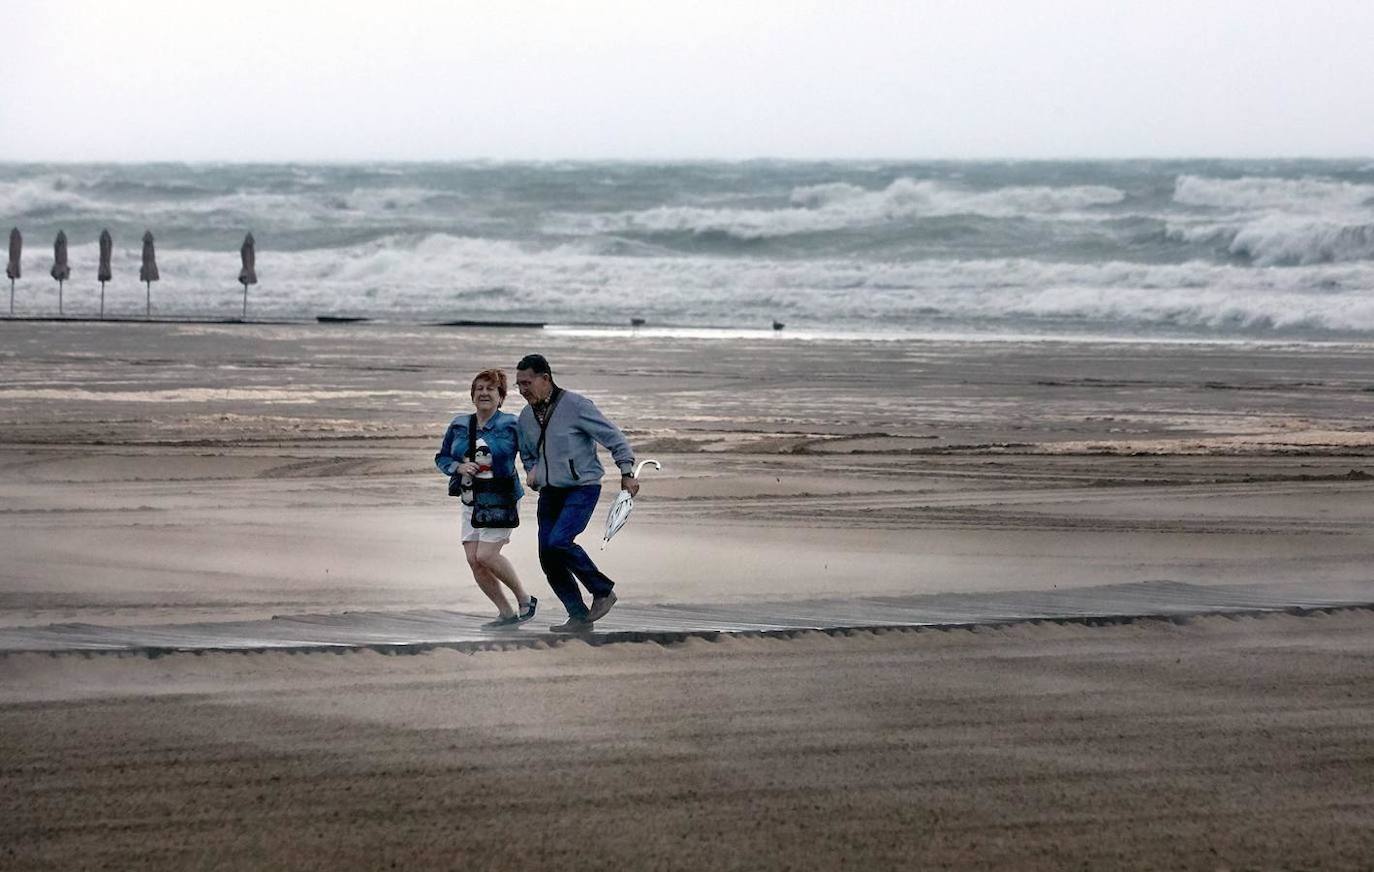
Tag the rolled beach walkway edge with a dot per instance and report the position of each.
(416, 631)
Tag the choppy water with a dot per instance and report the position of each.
(1194, 248)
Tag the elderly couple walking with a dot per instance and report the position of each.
(555, 437)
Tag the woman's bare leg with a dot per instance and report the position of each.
(486, 580)
(490, 556)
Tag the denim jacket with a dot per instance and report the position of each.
(501, 437)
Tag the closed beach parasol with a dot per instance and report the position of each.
(60, 270)
(148, 272)
(249, 274)
(623, 505)
(12, 270)
(103, 273)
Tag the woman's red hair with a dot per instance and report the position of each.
(495, 376)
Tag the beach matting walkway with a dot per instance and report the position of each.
(418, 630)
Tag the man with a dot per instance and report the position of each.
(559, 431)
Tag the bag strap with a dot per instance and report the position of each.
(544, 425)
(472, 438)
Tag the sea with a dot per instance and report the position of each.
(1187, 249)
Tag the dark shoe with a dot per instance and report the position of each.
(528, 611)
(600, 606)
(499, 623)
(573, 625)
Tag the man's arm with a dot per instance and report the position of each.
(599, 427)
(529, 452)
(528, 447)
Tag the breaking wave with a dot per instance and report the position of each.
(197, 209)
(1281, 240)
(840, 205)
(1220, 247)
(41, 197)
(444, 276)
(1280, 222)
(1250, 192)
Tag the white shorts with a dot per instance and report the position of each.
(482, 534)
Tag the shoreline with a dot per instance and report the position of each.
(727, 333)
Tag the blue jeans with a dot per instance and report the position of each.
(563, 515)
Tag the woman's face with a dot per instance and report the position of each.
(485, 396)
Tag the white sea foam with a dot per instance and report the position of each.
(1270, 240)
(1273, 221)
(65, 197)
(447, 276)
(839, 205)
(1102, 251)
(905, 196)
(41, 195)
(1211, 308)
(1260, 192)
(1277, 239)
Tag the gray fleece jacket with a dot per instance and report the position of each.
(568, 457)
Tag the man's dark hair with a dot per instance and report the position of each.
(535, 363)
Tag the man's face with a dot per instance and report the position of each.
(535, 388)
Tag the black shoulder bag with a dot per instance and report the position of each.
(493, 499)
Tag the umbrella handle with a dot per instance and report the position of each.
(644, 463)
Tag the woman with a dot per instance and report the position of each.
(494, 444)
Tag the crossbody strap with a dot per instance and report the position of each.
(544, 429)
(472, 438)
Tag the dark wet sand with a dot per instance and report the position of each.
(154, 474)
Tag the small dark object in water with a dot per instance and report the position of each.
(778, 325)
(339, 319)
(636, 322)
(538, 325)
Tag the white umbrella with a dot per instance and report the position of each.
(623, 505)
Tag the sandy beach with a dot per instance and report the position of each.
(1217, 744)
(156, 474)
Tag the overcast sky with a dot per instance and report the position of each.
(184, 80)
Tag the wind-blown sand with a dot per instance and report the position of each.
(159, 474)
(1217, 744)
